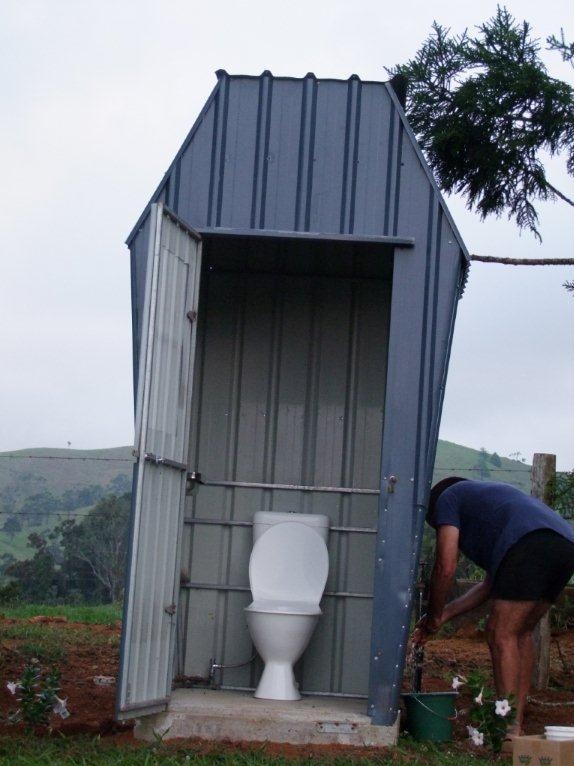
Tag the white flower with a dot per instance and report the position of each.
(502, 708)
(60, 707)
(475, 735)
(478, 699)
(458, 681)
(11, 687)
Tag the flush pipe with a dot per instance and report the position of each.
(215, 666)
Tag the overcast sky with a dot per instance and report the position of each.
(97, 98)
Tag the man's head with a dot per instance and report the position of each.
(437, 491)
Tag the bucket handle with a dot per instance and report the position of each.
(438, 715)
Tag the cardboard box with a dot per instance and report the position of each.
(539, 751)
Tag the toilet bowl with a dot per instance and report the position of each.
(288, 570)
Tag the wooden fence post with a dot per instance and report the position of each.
(542, 478)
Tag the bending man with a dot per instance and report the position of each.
(527, 552)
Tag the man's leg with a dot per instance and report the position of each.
(509, 632)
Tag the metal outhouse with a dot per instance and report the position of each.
(295, 280)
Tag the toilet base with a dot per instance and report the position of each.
(278, 682)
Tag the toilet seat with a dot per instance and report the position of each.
(289, 565)
(283, 607)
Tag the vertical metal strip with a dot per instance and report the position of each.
(222, 153)
(391, 155)
(257, 159)
(344, 190)
(355, 158)
(310, 159)
(265, 172)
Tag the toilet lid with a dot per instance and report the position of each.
(290, 561)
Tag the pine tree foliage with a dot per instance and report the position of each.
(484, 109)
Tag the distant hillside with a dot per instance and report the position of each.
(456, 460)
(52, 470)
(41, 487)
(32, 472)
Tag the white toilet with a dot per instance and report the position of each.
(288, 570)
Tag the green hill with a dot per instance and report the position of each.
(456, 460)
(41, 487)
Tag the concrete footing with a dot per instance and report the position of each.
(238, 716)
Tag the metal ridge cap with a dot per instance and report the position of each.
(222, 73)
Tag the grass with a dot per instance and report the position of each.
(101, 614)
(84, 751)
(50, 646)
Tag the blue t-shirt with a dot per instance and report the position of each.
(492, 517)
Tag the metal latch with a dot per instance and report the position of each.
(193, 478)
(391, 484)
(159, 460)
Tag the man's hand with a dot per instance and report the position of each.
(424, 628)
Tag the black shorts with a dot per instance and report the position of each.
(536, 568)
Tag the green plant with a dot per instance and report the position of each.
(37, 697)
(489, 718)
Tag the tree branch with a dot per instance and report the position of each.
(524, 261)
(559, 194)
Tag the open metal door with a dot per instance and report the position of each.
(162, 435)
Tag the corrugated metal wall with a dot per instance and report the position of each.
(290, 389)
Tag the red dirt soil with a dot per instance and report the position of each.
(92, 706)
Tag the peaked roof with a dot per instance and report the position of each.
(301, 155)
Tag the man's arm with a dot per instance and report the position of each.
(473, 598)
(439, 612)
(446, 557)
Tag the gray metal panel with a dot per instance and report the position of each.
(289, 389)
(425, 292)
(162, 429)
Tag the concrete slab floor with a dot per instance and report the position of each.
(239, 716)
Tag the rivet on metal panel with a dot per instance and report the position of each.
(380, 559)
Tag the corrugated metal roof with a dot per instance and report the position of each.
(296, 154)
